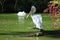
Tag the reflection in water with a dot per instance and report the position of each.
(36, 38)
(20, 20)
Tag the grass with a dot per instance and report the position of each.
(9, 24)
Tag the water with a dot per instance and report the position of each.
(21, 19)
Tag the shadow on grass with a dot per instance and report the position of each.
(49, 33)
(17, 33)
(52, 33)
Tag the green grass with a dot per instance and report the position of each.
(9, 23)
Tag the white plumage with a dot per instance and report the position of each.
(21, 13)
(37, 20)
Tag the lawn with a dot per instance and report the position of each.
(9, 24)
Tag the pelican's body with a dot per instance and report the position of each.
(21, 13)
